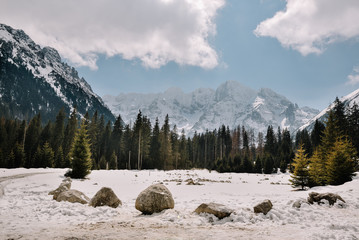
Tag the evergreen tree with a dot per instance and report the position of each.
(69, 136)
(317, 133)
(113, 161)
(59, 158)
(300, 176)
(341, 162)
(81, 154)
(47, 156)
(317, 170)
(19, 156)
(258, 165)
(102, 163)
(268, 164)
(166, 146)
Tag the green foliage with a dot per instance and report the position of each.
(341, 162)
(317, 170)
(81, 154)
(300, 176)
(113, 161)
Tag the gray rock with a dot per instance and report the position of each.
(218, 210)
(330, 197)
(73, 196)
(154, 199)
(298, 203)
(263, 207)
(105, 197)
(64, 186)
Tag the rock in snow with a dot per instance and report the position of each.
(330, 197)
(218, 210)
(155, 198)
(64, 186)
(105, 197)
(263, 207)
(73, 196)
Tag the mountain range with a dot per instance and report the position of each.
(35, 80)
(231, 104)
(347, 100)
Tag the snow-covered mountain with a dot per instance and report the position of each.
(35, 80)
(347, 100)
(230, 104)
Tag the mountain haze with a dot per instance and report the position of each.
(34, 80)
(230, 104)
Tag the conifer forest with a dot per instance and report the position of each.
(325, 155)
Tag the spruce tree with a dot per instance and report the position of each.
(317, 170)
(258, 165)
(341, 162)
(113, 161)
(81, 154)
(47, 156)
(300, 176)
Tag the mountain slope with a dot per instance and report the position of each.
(347, 100)
(230, 104)
(34, 80)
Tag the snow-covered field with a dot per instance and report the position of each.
(28, 212)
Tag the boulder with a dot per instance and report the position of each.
(73, 196)
(330, 197)
(263, 207)
(154, 199)
(64, 186)
(218, 210)
(105, 197)
(191, 182)
(298, 203)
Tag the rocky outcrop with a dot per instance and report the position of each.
(73, 196)
(64, 186)
(218, 210)
(330, 197)
(105, 197)
(263, 207)
(155, 198)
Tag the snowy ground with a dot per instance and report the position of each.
(28, 212)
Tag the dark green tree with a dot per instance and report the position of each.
(81, 154)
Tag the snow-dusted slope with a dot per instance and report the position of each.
(23, 62)
(230, 104)
(347, 100)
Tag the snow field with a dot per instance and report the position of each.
(27, 211)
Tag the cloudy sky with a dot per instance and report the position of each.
(307, 50)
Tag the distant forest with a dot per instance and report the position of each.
(143, 146)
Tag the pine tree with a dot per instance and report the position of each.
(258, 165)
(300, 176)
(47, 156)
(317, 170)
(268, 164)
(341, 162)
(81, 154)
(113, 161)
(102, 163)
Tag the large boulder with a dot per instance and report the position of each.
(64, 186)
(154, 199)
(263, 207)
(330, 197)
(105, 197)
(218, 210)
(73, 196)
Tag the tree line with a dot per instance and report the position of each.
(139, 145)
(329, 155)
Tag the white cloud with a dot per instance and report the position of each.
(154, 31)
(308, 26)
(353, 78)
